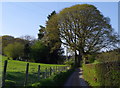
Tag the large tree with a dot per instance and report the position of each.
(85, 30)
(49, 35)
(53, 38)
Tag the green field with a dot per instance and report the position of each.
(16, 70)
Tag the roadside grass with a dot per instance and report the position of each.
(55, 81)
(102, 74)
(16, 71)
(90, 75)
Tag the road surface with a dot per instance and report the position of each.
(76, 80)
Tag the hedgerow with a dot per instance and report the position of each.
(102, 74)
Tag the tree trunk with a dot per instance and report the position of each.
(84, 60)
(75, 58)
(79, 59)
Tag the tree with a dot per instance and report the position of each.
(53, 40)
(28, 39)
(39, 52)
(52, 32)
(49, 36)
(26, 51)
(41, 32)
(5, 40)
(85, 30)
(14, 50)
(52, 14)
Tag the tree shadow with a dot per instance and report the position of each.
(19, 78)
(82, 82)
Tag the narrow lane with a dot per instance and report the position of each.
(76, 80)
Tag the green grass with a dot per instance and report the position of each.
(16, 70)
(55, 81)
(89, 74)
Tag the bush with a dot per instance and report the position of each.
(39, 52)
(102, 74)
(10, 84)
(69, 62)
(44, 83)
(54, 81)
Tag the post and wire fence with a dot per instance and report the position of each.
(30, 75)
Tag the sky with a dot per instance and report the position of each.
(24, 18)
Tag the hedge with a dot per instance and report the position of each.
(103, 74)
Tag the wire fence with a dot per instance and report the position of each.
(29, 74)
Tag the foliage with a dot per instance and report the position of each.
(43, 83)
(91, 58)
(41, 32)
(6, 39)
(109, 56)
(52, 14)
(69, 62)
(53, 39)
(28, 39)
(39, 52)
(56, 81)
(27, 51)
(85, 30)
(14, 50)
(49, 36)
(52, 34)
(102, 74)
(10, 84)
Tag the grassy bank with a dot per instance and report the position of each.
(56, 81)
(16, 71)
(102, 74)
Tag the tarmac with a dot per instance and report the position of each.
(76, 80)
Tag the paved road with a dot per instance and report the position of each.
(76, 80)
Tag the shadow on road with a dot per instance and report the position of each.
(76, 80)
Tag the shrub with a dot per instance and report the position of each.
(102, 74)
(39, 52)
(10, 84)
(44, 83)
(54, 81)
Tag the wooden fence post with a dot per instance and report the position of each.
(4, 74)
(45, 72)
(56, 69)
(39, 72)
(50, 71)
(44, 76)
(64, 68)
(26, 77)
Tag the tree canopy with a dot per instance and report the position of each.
(85, 30)
(49, 35)
(14, 50)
